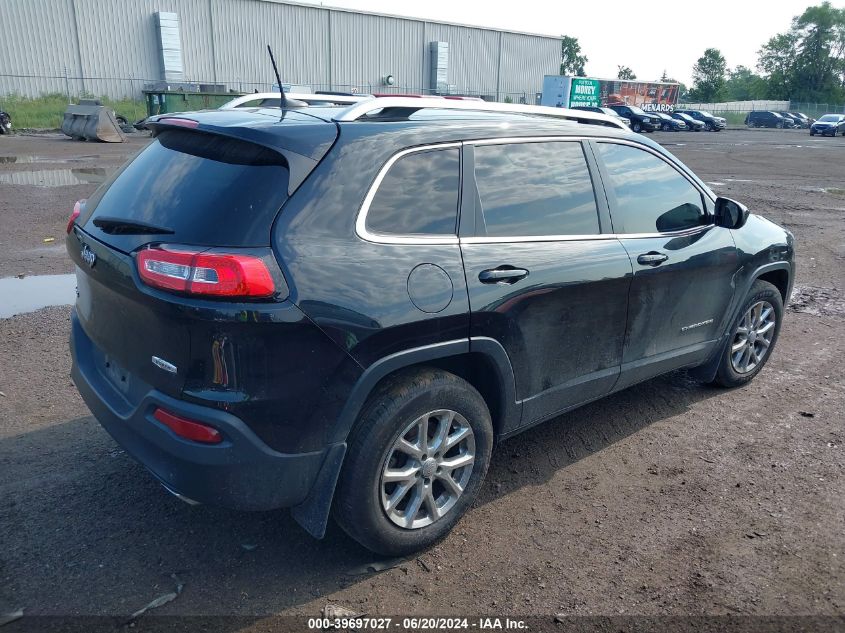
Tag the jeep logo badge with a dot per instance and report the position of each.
(89, 256)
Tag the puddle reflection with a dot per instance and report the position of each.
(18, 296)
(55, 177)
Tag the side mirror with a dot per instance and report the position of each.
(730, 214)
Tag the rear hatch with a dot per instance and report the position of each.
(190, 190)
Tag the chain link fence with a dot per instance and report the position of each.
(735, 111)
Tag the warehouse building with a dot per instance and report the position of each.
(116, 47)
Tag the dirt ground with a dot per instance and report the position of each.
(670, 498)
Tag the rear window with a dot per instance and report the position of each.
(207, 189)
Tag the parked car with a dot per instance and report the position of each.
(693, 125)
(606, 111)
(806, 121)
(794, 121)
(711, 122)
(640, 121)
(670, 124)
(341, 310)
(829, 125)
(765, 118)
(5, 123)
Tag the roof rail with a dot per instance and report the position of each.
(307, 97)
(412, 104)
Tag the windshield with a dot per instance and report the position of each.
(685, 117)
(636, 110)
(705, 113)
(830, 117)
(608, 111)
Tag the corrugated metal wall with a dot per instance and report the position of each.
(109, 47)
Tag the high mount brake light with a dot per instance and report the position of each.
(77, 209)
(204, 273)
(180, 122)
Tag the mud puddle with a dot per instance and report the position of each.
(55, 177)
(817, 301)
(28, 294)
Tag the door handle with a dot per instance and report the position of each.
(502, 275)
(652, 258)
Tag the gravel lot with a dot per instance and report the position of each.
(670, 498)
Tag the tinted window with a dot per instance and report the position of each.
(651, 196)
(207, 189)
(535, 189)
(418, 195)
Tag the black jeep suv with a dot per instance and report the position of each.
(640, 121)
(341, 310)
(764, 118)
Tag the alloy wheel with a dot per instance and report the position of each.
(753, 337)
(427, 469)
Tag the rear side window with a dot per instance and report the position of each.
(418, 195)
(535, 189)
(651, 196)
(205, 188)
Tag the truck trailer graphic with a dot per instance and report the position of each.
(569, 92)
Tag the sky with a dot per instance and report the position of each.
(649, 37)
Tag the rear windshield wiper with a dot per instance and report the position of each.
(122, 226)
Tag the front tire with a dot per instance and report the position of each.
(753, 336)
(416, 460)
(637, 127)
(708, 127)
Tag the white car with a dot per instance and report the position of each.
(273, 100)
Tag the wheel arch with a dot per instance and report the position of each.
(481, 361)
(780, 275)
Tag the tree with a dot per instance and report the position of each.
(625, 73)
(572, 61)
(777, 61)
(708, 76)
(807, 63)
(744, 85)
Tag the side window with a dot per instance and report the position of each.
(418, 195)
(651, 196)
(535, 189)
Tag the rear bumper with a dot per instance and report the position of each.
(241, 472)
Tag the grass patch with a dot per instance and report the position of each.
(47, 110)
(836, 191)
(733, 118)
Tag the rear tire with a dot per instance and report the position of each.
(753, 336)
(393, 487)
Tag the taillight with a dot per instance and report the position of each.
(77, 209)
(180, 122)
(188, 429)
(205, 273)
